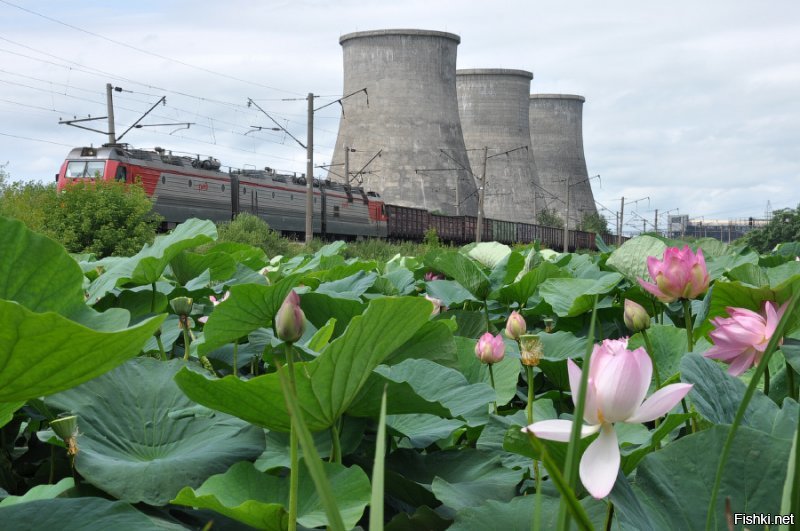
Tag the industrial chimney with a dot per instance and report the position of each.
(402, 134)
(493, 105)
(556, 123)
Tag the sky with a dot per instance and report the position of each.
(692, 105)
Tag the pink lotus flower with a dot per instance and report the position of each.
(430, 275)
(617, 385)
(490, 349)
(680, 275)
(741, 339)
(516, 326)
(215, 302)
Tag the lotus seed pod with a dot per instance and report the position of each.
(531, 350)
(181, 305)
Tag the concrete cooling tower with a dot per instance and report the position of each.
(404, 134)
(556, 123)
(493, 105)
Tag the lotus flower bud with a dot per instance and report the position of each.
(531, 350)
(515, 326)
(290, 320)
(636, 317)
(490, 349)
(181, 305)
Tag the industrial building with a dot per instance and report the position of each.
(493, 106)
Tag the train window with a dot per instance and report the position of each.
(223, 187)
(82, 169)
(291, 197)
(244, 190)
(163, 179)
(121, 174)
(273, 195)
(335, 211)
(190, 183)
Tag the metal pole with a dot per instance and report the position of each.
(655, 226)
(112, 134)
(481, 193)
(347, 164)
(621, 217)
(566, 220)
(310, 171)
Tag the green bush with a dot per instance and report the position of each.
(29, 202)
(104, 218)
(594, 222)
(252, 230)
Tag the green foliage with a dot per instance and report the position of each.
(783, 227)
(594, 222)
(29, 202)
(103, 218)
(252, 230)
(431, 238)
(549, 218)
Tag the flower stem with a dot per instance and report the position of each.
(609, 516)
(336, 447)
(687, 315)
(486, 312)
(491, 379)
(161, 345)
(748, 395)
(294, 470)
(529, 408)
(186, 340)
(571, 463)
(652, 354)
(236, 359)
(790, 381)
(766, 380)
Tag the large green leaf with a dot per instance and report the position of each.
(40, 492)
(422, 386)
(327, 385)
(422, 430)
(489, 253)
(351, 287)
(78, 514)
(434, 342)
(142, 439)
(574, 296)
(7, 410)
(524, 288)
(630, 259)
(517, 514)
(717, 396)
(320, 308)
(464, 271)
(673, 485)
(146, 266)
(187, 266)
(37, 272)
(669, 345)
(248, 308)
(449, 292)
(260, 500)
(43, 353)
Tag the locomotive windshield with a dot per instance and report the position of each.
(82, 169)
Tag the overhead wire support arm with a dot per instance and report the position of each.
(163, 100)
(251, 102)
(340, 100)
(90, 119)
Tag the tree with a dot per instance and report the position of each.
(103, 218)
(549, 218)
(30, 202)
(594, 222)
(783, 227)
